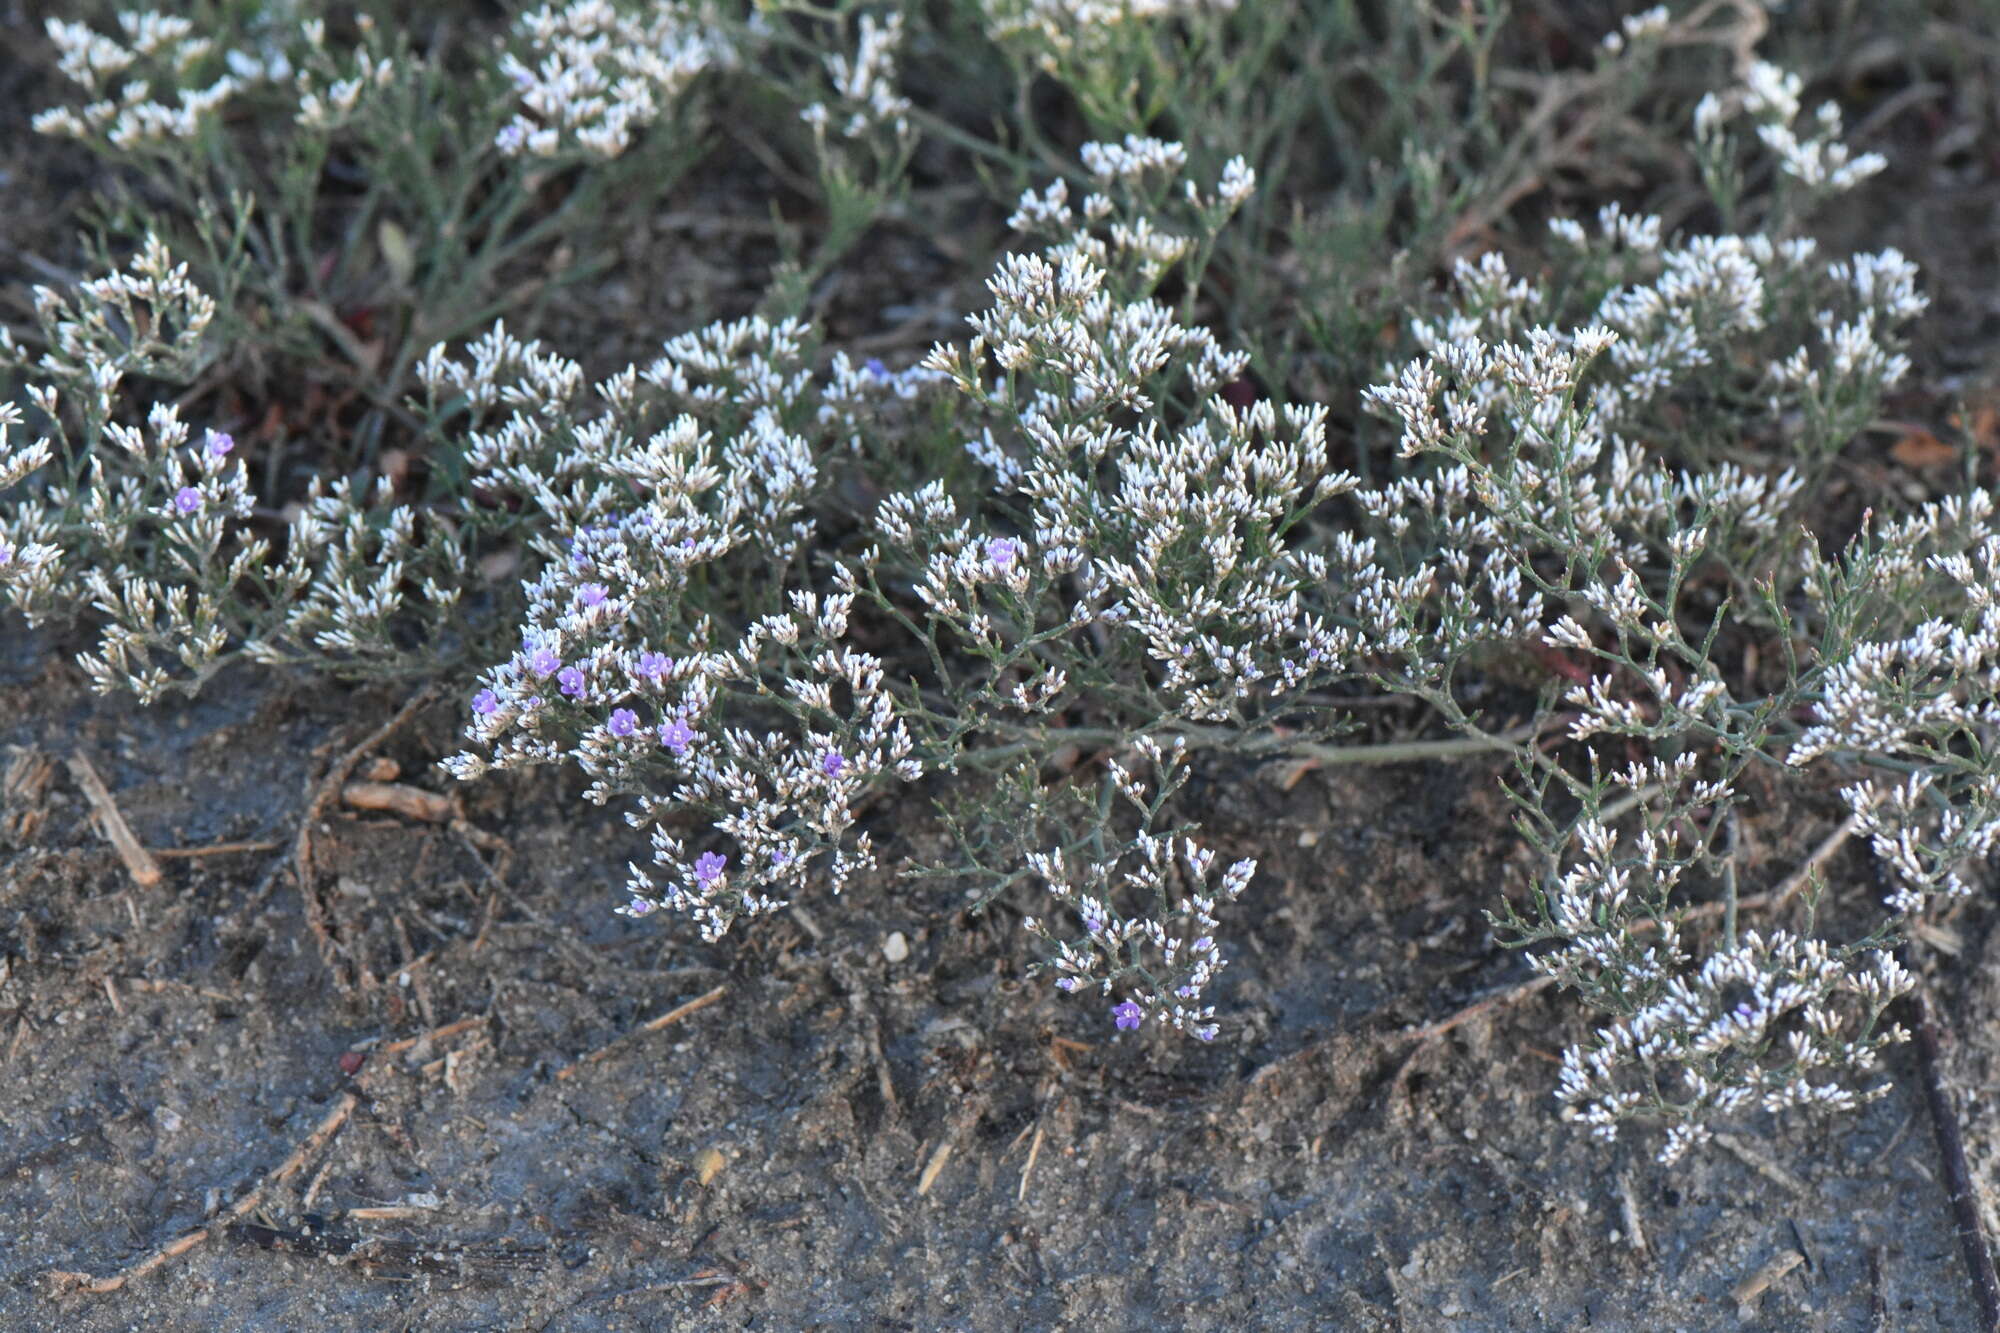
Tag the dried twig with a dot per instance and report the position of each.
(332, 951)
(63, 1281)
(934, 1166)
(1028, 1171)
(473, 839)
(1951, 1150)
(216, 849)
(401, 799)
(668, 1019)
(139, 863)
(1477, 1009)
(1761, 1164)
(871, 1035)
(1747, 1292)
(451, 1029)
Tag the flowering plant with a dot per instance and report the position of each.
(1041, 573)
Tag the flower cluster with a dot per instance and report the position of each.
(1817, 159)
(659, 484)
(1065, 31)
(161, 55)
(591, 74)
(864, 85)
(1162, 958)
(1133, 479)
(1768, 1024)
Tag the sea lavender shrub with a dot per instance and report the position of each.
(1125, 558)
(681, 498)
(149, 522)
(757, 583)
(1649, 565)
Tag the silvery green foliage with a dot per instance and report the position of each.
(1607, 530)
(750, 586)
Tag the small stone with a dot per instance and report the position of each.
(895, 948)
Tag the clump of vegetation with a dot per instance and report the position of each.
(750, 585)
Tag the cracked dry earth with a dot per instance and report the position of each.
(456, 1092)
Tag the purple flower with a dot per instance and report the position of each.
(486, 703)
(623, 721)
(639, 907)
(1070, 984)
(572, 681)
(779, 856)
(708, 868)
(1205, 1033)
(592, 594)
(873, 365)
(1093, 923)
(832, 763)
(187, 499)
(1203, 945)
(543, 661)
(655, 665)
(6, 553)
(1128, 1015)
(220, 443)
(511, 137)
(676, 734)
(1001, 551)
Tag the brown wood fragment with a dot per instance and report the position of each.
(1750, 1289)
(139, 863)
(399, 799)
(451, 1029)
(64, 1281)
(216, 849)
(667, 1019)
(934, 1167)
